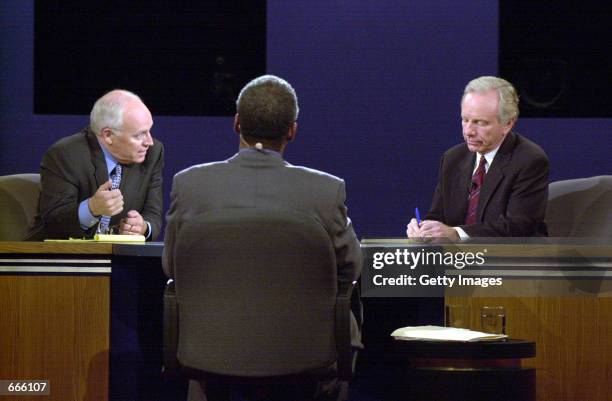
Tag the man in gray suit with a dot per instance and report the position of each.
(76, 172)
(258, 177)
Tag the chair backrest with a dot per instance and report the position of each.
(18, 202)
(580, 208)
(256, 292)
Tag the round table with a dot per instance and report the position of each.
(456, 371)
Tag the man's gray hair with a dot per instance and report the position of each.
(267, 107)
(108, 110)
(508, 99)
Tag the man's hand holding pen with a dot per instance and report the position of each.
(429, 230)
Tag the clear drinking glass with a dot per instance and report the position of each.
(493, 319)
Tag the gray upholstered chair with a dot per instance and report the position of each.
(255, 297)
(18, 202)
(580, 207)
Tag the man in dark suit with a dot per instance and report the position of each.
(496, 183)
(258, 177)
(76, 188)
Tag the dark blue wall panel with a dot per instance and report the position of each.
(379, 85)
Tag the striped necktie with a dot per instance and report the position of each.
(477, 180)
(115, 182)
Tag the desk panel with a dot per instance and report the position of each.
(573, 336)
(561, 298)
(86, 316)
(56, 328)
(54, 317)
(556, 292)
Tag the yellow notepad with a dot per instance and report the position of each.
(118, 238)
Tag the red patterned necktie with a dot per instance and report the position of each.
(477, 180)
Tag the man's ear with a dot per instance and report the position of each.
(107, 136)
(509, 125)
(292, 132)
(237, 123)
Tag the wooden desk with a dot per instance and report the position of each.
(54, 317)
(560, 296)
(58, 303)
(556, 292)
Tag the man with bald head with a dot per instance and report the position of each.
(105, 178)
(495, 184)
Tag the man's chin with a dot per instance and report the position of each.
(140, 158)
(473, 148)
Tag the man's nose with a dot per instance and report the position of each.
(148, 140)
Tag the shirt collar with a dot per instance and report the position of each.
(264, 151)
(489, 156)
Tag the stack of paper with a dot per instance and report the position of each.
(437, 333)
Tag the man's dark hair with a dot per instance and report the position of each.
(267, 107)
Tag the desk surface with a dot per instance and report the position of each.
(151, 249)
(596, 247)
(56, 247)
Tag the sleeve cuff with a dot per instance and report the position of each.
(148, 233)
(462, 234)
(86, 219)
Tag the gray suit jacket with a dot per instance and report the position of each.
(74, 168)
(254, 179)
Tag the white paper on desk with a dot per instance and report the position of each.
(437, 333)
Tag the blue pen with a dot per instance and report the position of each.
(418, 215)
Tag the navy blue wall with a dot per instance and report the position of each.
(379, 86)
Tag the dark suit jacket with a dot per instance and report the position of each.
(252, 179)
(513, 196)
(74, 168)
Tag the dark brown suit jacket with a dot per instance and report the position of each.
(513, 196)
(74, 168)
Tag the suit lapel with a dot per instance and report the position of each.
(461, 186)
(495, 175)
(129, 184)
(97, 159)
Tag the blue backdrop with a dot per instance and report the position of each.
(379, 85)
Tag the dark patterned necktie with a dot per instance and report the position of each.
(477, 180)
(115, 182)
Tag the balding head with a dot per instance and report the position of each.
(108, 111)
(122, 123)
